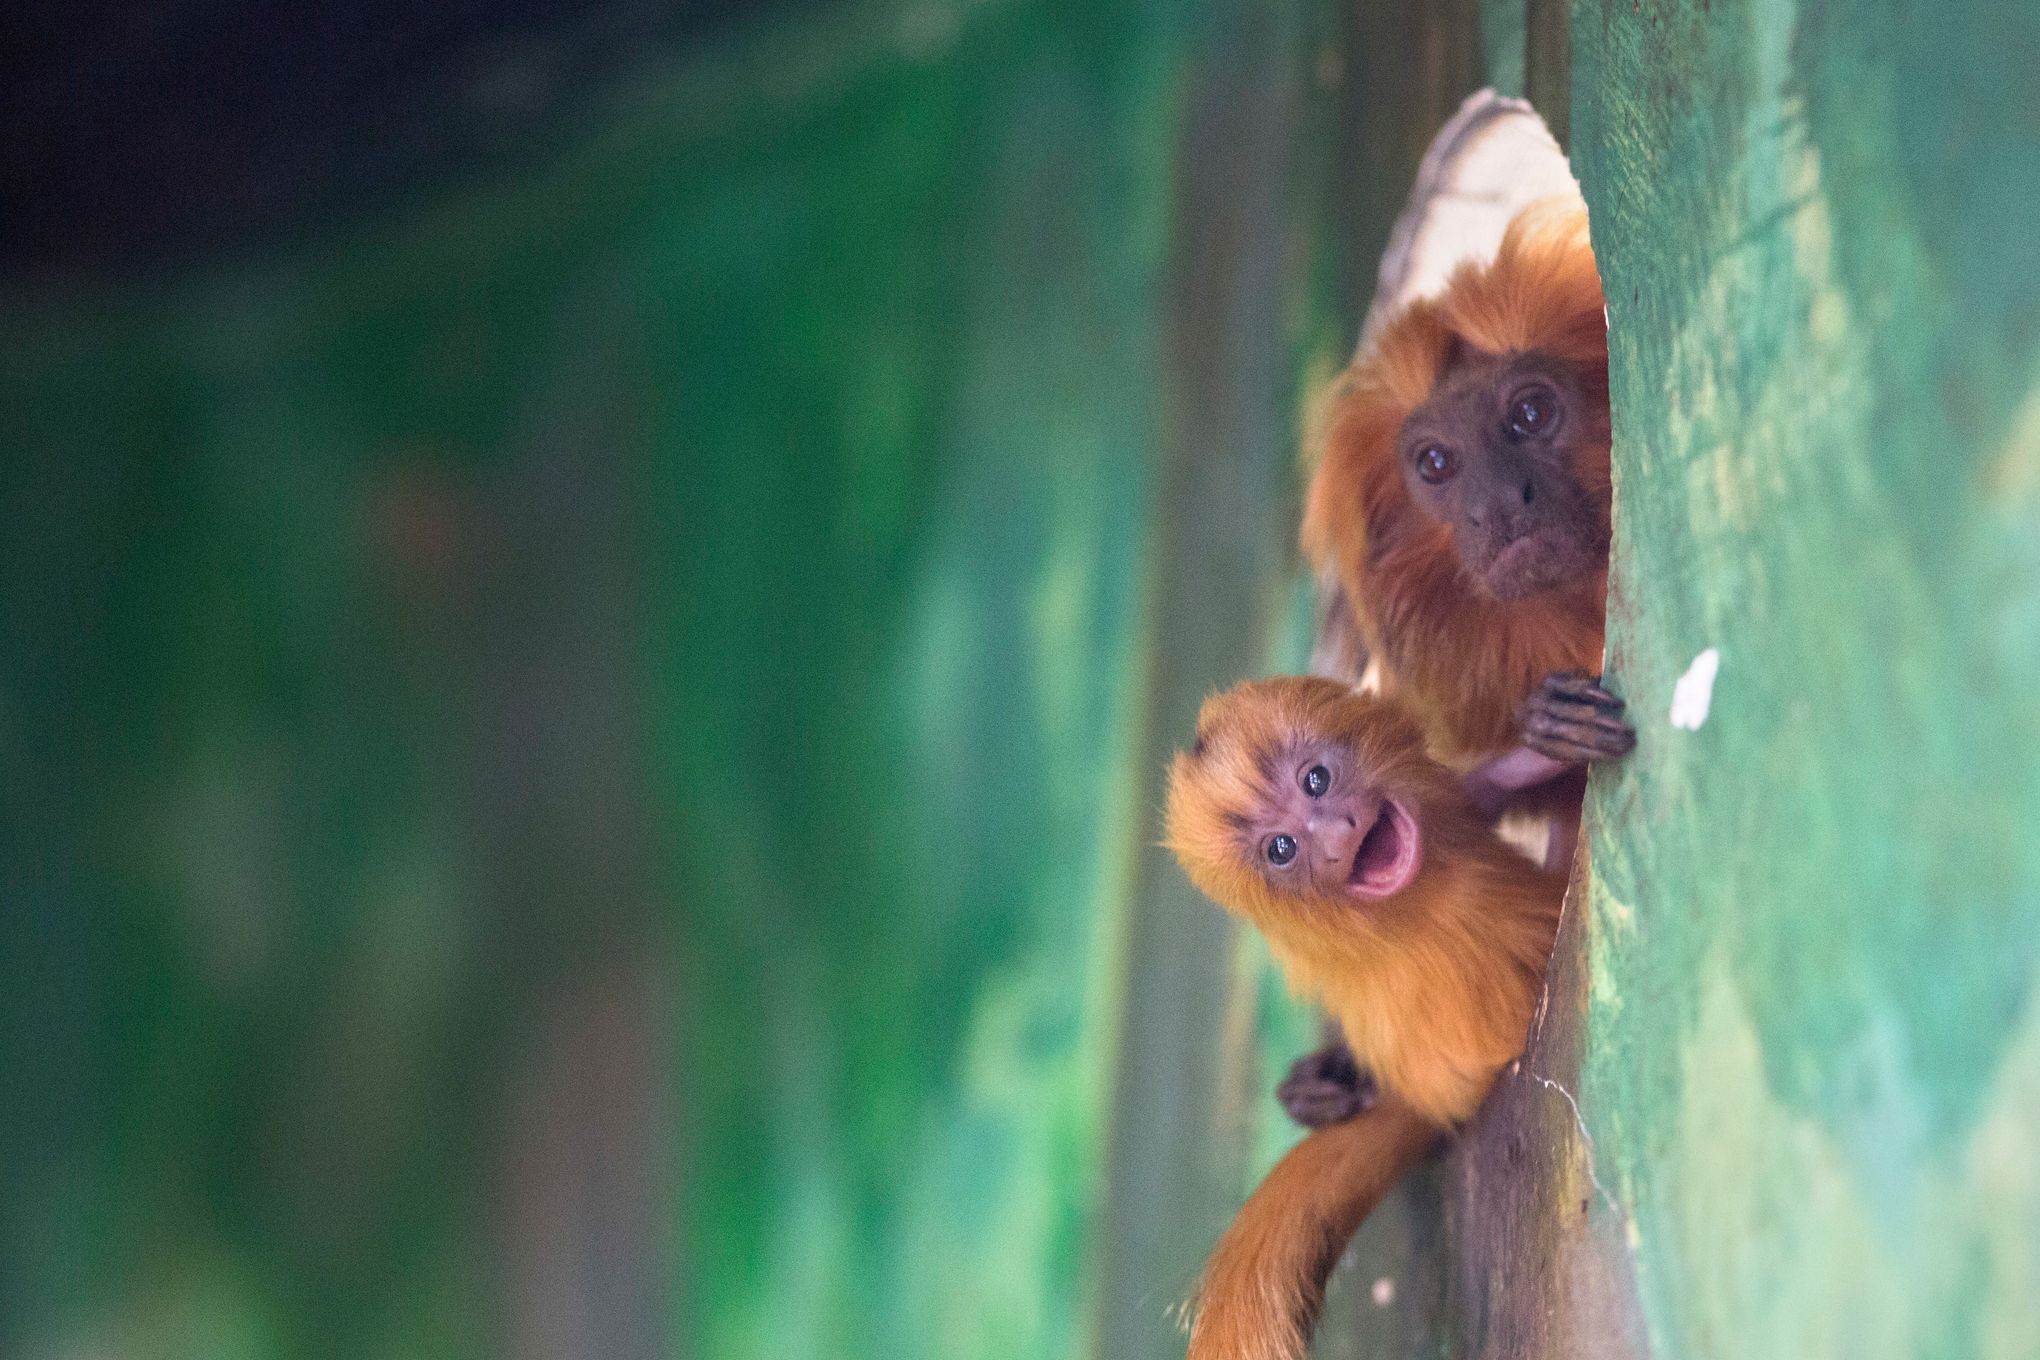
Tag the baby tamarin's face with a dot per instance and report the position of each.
(1299, 789)
(1494, 455)
(1321, 827)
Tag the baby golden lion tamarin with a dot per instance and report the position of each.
(1314, 813)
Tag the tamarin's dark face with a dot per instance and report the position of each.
(1492, 455)
(1322, 828)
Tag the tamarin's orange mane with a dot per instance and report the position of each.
(1462, 659)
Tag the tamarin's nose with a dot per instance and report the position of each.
(1337, 836)
(1510, 523)
(1501, 511)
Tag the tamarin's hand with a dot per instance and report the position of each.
(1570, 718)
(1326, 1087)
(1568, 721)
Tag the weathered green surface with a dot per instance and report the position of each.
(1812, 1061)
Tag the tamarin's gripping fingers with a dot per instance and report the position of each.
(1315, 813)
(1568, 721)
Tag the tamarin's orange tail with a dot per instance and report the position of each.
(1265, 1282)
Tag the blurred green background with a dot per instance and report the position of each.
(595, 595)
(574, 697)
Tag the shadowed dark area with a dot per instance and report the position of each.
(137, 133)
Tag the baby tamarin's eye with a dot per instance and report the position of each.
(1316, 780)
(1281, 849)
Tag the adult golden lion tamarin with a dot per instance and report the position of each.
(1462, 504)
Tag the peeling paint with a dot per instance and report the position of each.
(1694, 693)
(1586, 1141)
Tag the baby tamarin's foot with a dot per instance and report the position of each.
(1570, 718)
(1326, 1087)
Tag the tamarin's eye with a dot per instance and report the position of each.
(1531, 411)
(1281, 849)
(1435, 463)
(1316, 780)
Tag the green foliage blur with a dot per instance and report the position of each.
(572, 740)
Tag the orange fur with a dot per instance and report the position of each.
(1462, 660)
(1264, 1284)
(1433, 986)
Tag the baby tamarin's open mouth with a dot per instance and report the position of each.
(1388, 855)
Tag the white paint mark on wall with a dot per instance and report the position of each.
(1694, 693)
(1384, 1292)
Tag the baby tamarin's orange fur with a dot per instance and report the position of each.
(1400, 910)
(1462, 658)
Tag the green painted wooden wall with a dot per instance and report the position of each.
(581, 757)
(1812, 1063)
